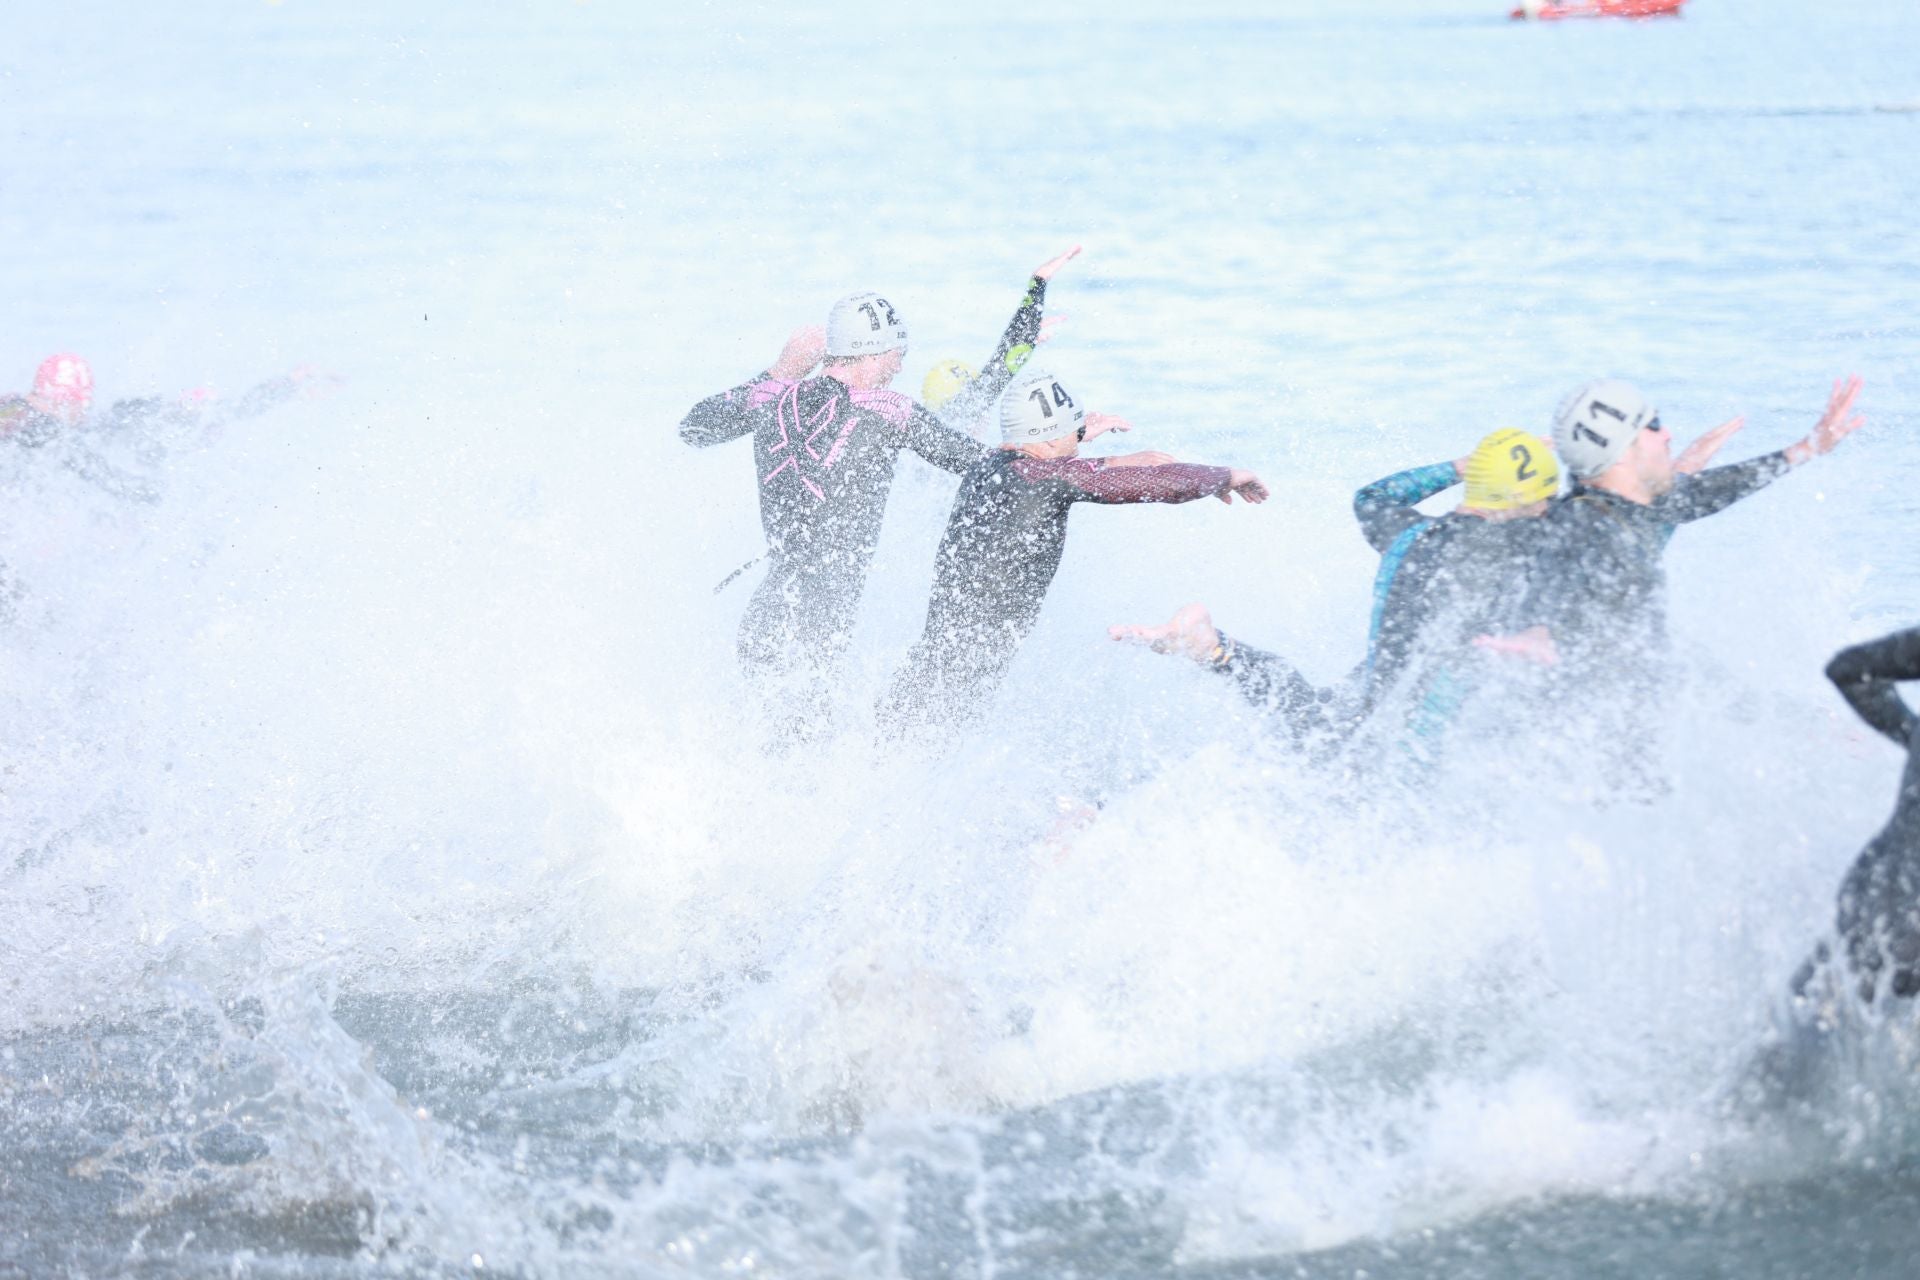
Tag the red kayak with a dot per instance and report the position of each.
(1552, 11)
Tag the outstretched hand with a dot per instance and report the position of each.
(1191, 631)
(1535, 645)
(1047, 269)
(1697, 455)
(805, 346)
(1047, 325)
(1098, 424)
(1247, 485)
(1835, 425)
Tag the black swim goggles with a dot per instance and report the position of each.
(1080, 434)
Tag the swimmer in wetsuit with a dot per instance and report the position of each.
(1878, 912)
(1007, 532)
(824, 450)
(58, 413)
(1600, 583)
(1442, 581)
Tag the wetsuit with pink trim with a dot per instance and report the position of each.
(823, 456)
(1000, 552)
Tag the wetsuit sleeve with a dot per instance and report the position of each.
(724, 417)
(1865, 675)
(94, 469)
(1274, 687)
(270, 394)
(1714, 490)
(1016, 344)
(939, 443)
(1093, 480)
(1385, 508)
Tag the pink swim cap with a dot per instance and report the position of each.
(62, 381)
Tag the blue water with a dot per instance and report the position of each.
(394, 878)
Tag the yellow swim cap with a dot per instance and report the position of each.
(943, 382)
(1511, 468)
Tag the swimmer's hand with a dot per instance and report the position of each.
(1191, 632)
(1834, 426)
(804, 348)
(1047, 326)
(1697, 455)
(1535, 644)
(1098, 424)
(1047, 269)
(1247, 485)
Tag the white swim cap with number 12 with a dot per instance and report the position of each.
(1035, 408)
(861, 324)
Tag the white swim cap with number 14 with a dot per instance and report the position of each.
(1036, 408)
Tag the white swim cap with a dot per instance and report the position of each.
(1035, 407)
(863, 323)
(1595, 424)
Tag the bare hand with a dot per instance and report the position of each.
(1144, 458)
(1835, 425)
(1047, 326)
(1046, 269)
(1697, 455)
(803, 351)
(1247, 485)
(1535, 644)
(1098, 424)
(1190, 632)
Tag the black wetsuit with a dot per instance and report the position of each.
(1000, 552)
(1441, 582)
(1599, 584)
(824, 454)
(26, 427)
(1878, 917)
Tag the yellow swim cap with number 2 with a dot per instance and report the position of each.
(1511, 468)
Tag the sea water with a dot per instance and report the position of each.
(396, 879)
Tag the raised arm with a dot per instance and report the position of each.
(1866, 673)
(731, 414)
(1717, 489)
(1022, 334)
(1385, 508)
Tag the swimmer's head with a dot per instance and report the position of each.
(63, 387)
(943, 382)
(1035, 408)
(864, 324)
(1596, 425)
(1511, 470)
